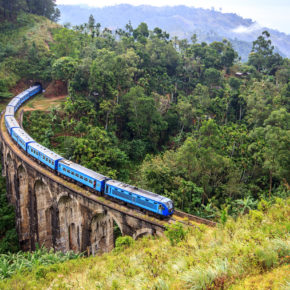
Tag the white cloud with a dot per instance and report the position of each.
(247, 29)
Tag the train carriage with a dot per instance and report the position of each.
(11, 123)
(83, 175)
(33, 90)
(9, 111)
(15, 103)
(23, 97)
(44, 155)
(21, 138)
(142, 198)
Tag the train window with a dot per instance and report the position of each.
(90, 181)
(64, 169)
(81, 177)
(86, 179)
(43, 157)
(155, 202)
(49, 161)
(130, 193)
(46, 159)
(77, 175)
(52, 162)
(107, 188)
(72, 173)
(68, 171)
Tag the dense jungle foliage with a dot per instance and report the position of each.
(9, 9)
(186, 120)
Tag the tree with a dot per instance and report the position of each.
(262, 56)
(64, 68)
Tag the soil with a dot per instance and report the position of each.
(56, 89)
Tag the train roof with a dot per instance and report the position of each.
(12, 121)
(47, 152)
(83, 170)
(22, 95)
(139, 191)
(32, 88)
(23, 135)
(9, 111)
(13, 102)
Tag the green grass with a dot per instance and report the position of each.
(226, 256)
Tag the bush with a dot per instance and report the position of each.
(123, 242)
(175, 233)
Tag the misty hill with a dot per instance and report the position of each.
(181, 21)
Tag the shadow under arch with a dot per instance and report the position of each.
(143, 232)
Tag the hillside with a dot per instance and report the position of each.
(250, 253)
(181, 21)
(24, 52)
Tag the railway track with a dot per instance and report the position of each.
(189, 219)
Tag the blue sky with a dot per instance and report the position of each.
(270, 13)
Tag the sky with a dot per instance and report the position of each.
(269, 13)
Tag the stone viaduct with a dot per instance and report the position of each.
(53, 212)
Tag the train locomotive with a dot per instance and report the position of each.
(99, 184)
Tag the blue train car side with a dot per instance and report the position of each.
(139, 197)
(83, 175)
(9, 111)
(11, 123)
(15, 103)
(44, 155)
(23, 97)
(34, 90)
(21, 138)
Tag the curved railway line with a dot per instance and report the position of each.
(184, 218)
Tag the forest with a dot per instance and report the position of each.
(12, 8)
(182, 119)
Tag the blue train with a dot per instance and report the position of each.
(95, 182)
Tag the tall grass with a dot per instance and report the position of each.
(23, 262)
(205, 258)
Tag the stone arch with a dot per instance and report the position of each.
(70, 223)
(143, 232)
(102, 231)
(116, 220)
(44, 205)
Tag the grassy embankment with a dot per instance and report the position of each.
(250, 253)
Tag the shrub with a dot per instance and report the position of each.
(123, 242)
(267, 258)
(175, 233)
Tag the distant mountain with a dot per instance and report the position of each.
(181, 21)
